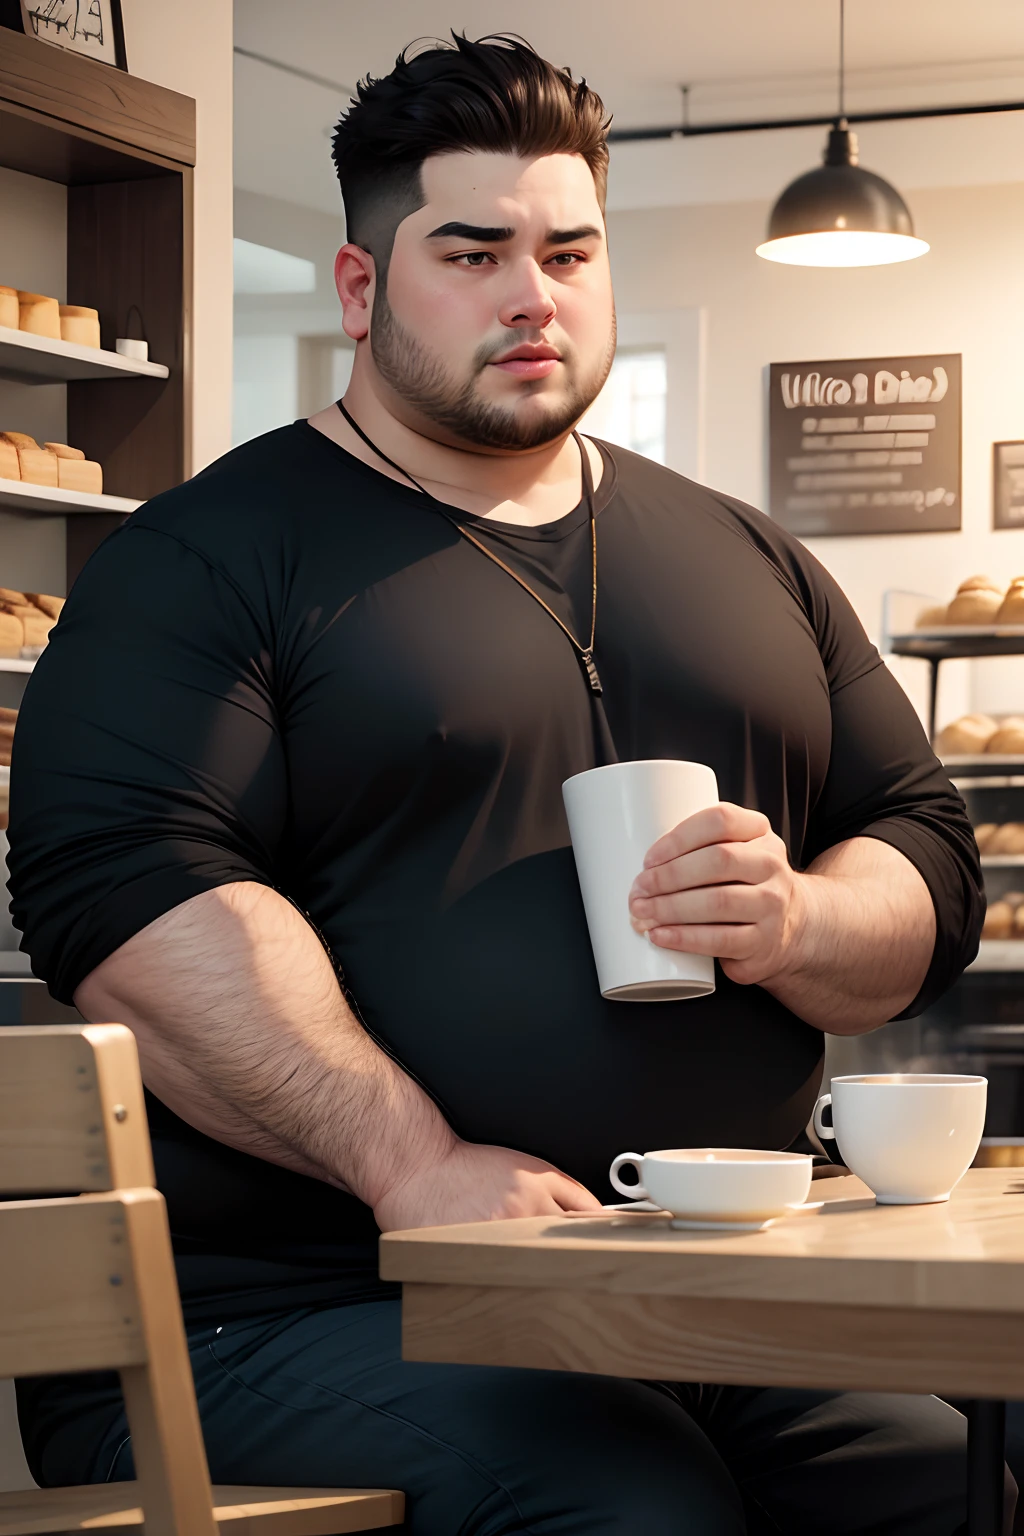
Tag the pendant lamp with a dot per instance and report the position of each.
(841, 215)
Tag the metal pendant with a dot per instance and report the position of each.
(591, 672)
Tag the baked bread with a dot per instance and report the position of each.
(10, 469)
(8, 595)
(37, 466)
(1009, 738)
(978, 606)
(1018, 921)
(1009, 838)
(966, 736)
(18, 439)
(51, 606)
(79, 475)
(931, 618)
(77, 323)
(37, 627)
(12, 634)
(9, 313)
(998, 921)
(39, 315)
(63, 451)
(984, 834)
(1012, 608)
(979, 584)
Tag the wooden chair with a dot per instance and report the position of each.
(87, 1283)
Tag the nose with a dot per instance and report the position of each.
(528, 300)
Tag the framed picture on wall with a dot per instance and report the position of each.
(91, 27)
(1008, 485)
(865, 445)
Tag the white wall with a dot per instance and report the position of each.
(966, 295)
(187, 47)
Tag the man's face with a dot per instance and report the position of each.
(496, 326)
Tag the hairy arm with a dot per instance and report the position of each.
(846, 944)
(245, 1034)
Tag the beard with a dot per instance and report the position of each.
(421, 379)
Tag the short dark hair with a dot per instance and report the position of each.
(496, 94)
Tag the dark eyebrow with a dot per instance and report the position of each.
(482, 234)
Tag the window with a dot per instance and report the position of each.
(630, 410)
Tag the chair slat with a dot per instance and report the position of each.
(72, 1115)
(68, 1299)
(114, 1507)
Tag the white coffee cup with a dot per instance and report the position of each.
(911, 1136)
(717, 1185)
(615, 814)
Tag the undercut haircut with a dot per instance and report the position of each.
(495, 95)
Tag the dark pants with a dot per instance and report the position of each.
(324, 1398)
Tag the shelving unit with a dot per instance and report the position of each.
(22, 495)
(28, 359)
(16, 664)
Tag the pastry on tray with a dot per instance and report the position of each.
(1009, 838)
(39, 315)
(54, 464)
(931, 618)
(983, 835)
(1012, 609)
(1008, 740)
(999, 921)
(9, 310)
(967, 736)
(977, 601)
(78, 323)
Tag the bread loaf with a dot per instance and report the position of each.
(1012, 608)
(10, 469)
(9, 313)
(984, 834)
(39, 315)
(37, 627)
(979, 606)
(1018, 921)
(966, 736)
(48, 605)
(979, 584)
(80, 475)
(998, 921)
(63, 451)
(18, 439)
(1009, 838)
(1008, 740)
(80, 324)
(8, 595)
(12, 634)
(38, 467)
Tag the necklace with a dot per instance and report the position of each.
(585, 653)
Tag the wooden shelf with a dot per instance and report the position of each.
(28, 359)
(19, 494)
(1002, 861)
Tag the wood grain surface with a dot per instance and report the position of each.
(966, 1255)
(108, 1507)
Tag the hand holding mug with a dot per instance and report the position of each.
(720, 883)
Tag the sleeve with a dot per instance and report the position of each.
(884, 781)
(148, 765)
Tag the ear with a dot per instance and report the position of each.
(354, 277)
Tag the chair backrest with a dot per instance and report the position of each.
(87, 1279)
(72, 1115)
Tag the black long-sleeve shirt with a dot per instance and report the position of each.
(292, 670)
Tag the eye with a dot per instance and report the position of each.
(567, 259)
(472, 258)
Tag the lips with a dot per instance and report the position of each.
(529, 361)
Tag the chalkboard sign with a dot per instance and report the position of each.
(865, 446)
(1008, 485)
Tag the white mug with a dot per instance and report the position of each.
(615, 814)
(911, 1136)
(717, 1184)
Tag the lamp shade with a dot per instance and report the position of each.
(840, 215)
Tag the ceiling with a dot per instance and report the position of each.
(742, 58)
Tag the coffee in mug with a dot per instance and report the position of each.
(911, 1136)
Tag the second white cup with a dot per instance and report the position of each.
(615, 814)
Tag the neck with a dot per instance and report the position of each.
(527, 487)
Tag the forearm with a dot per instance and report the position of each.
(244, 1032)
(862, 937)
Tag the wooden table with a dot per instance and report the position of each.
(924, 1298)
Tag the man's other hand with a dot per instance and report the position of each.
(720, 884)
(472, 1182)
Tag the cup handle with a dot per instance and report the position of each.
(823, 1132)
(631, 1191)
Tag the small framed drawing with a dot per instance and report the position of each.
(1008, 485)
(91, 27)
